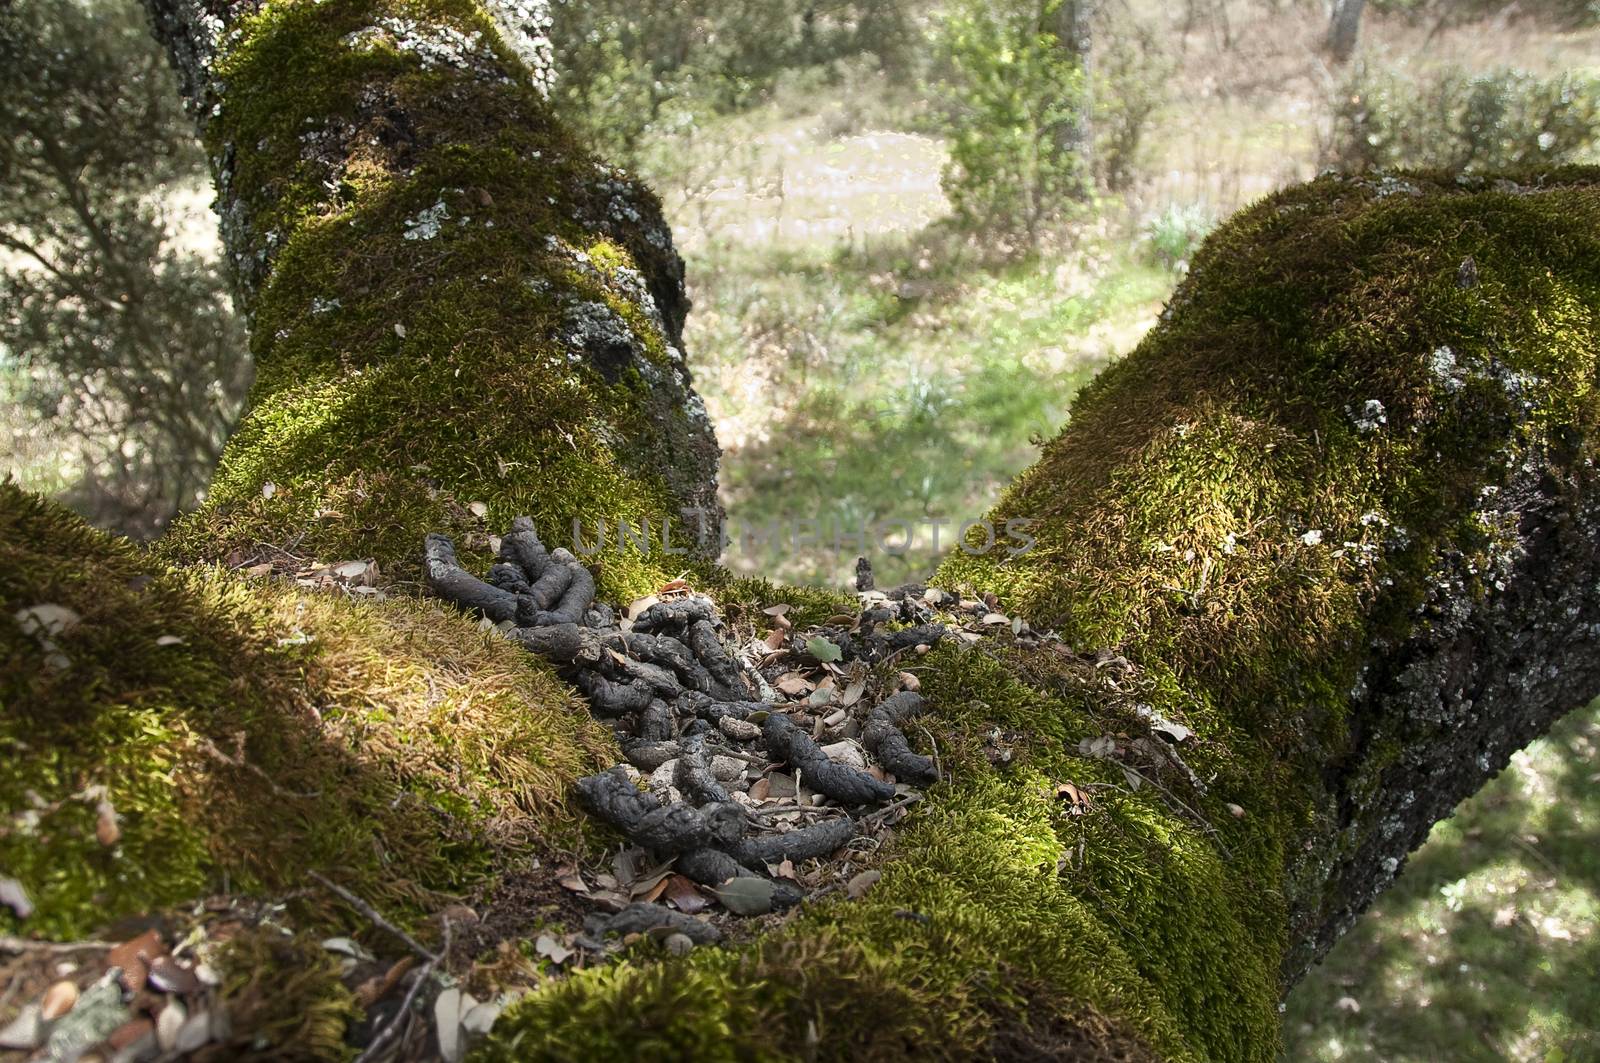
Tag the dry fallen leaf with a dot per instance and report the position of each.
(673, 585)
(169, 976)
(379, 986)
(746, 896)
(447, 1024)
(58, 1000)
(853, 692)
(106, 828)
(685, 895)
(857, 887)
(793, 684)
(1177, 732)
(553, 950)
(132, 1032)
(651, 889)
(169, 1023)
(572, 880)
(14, 896)
(133, 957)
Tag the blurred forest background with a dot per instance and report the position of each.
(914, 228)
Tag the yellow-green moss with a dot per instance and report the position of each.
(400, 380)
(286, 1000)
(1216, 514)
(247, 732)
(1227, 508)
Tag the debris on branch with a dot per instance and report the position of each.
(844, 784)
(753, 774)
(884, 739)
(645, 917)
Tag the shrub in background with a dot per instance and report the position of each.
(1013, 91)
(1130, 88)
(1454, 120)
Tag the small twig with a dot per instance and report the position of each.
(376, 917)
(1204, 823)
(20, 945)
(210, 748)
(884, 812)
(1537, 855)
(778, 809)
(390, 1028)
(938, 769)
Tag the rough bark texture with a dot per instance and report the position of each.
(1335, 517)
(1478, 680)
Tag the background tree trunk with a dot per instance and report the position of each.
(1344, 26)
(1075, 32)
(1323, 552)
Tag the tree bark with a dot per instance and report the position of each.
(537, 276)
(1074, 33)
(1344, 26)
(1335, 517)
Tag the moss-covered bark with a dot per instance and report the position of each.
(1333, 516)
(451, 301)
(245, 732)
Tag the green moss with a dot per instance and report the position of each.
(246, 732)
(1227, 506)
(1175, 520)
(412, 338)
(285, 990)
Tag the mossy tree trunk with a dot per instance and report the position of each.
(1335, 515)
(451, 302)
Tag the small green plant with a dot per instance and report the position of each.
(1173, 236)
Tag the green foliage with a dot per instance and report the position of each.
(1014, 93)
(1174, 235)
(630, 73)
(114, 334)
(916, 391)
(1130, 89)
(1456, 120)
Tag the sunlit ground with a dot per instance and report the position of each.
(1486, 949)
(859, 366)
